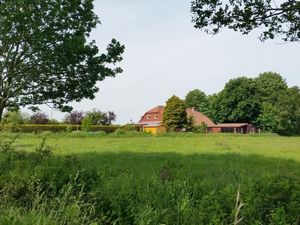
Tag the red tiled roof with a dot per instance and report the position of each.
(157, 109)
(156, 116)
(199, 117)
(231, 125)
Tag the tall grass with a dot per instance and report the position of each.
(40, 187)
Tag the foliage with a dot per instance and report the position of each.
(190, 123)
(15, 117)
(46, 56)
(244, 16)
(96, 117)
(87, 123)
(288, 112)
(265, 101)
(198, 100)
(202, 129)
(74, 117)
(238, 102)
(55, 128)
(131, 127)
(175, 116)
(270, 85)
(267, 119)
(39, 118)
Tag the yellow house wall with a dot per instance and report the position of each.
(155, 130)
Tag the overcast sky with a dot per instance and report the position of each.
(166, 55)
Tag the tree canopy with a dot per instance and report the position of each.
(175, 116)
(243, 16)
(45, 56)
(270, 85)
(288, 112)
(239, 101)
(198, 100)
(265, 101)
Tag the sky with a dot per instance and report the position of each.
(166, 55)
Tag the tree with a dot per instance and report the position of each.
(39, 118)
(109, 118)
(96, 117)
(268, 118)
(74, 117)
(245, 15)
(238, 102)
(175, 116)
(45, 57)
(198, 100)
(288, 112)
(15, 117)
(271, 85)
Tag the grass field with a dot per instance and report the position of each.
(175, 179)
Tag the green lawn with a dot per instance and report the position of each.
(186, 178)
(269, 147)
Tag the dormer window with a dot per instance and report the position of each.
(148, 117)
(155, 117)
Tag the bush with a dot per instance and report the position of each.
(74, 118)
(39, 118)
(130, 127)
(38, 128)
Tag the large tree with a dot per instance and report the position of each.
(288, 112)
(45, 56)
(271, 88)
(198, 100)
(271, 85)
(239, 101)
(282, 19)
(175, 116)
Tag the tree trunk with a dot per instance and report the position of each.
(1, 112)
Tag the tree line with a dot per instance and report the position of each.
(93, 117)
(265, 101)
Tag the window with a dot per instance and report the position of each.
(155, 117)
(148, 117)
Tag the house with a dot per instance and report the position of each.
(152, 121)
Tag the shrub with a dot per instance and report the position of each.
(130, 127)
(54, 128)
(74, 118)
(39, 118)
(69, 128)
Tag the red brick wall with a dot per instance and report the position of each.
(214, 130)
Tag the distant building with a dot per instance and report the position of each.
(152, 121)
(241, 128)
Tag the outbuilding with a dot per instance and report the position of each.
(236, 128)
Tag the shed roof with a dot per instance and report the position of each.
(237, 125)
(199, 117)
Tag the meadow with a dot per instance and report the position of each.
(135, 178)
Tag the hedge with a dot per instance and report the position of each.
(37, 128)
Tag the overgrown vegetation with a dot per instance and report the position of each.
(41, 186)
